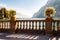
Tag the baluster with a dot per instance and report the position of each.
(39, 25)
(2, 25)
(26, 25)
(7, 25)
(32, 25)
(53, 25)
(20, 25)
(42, 25)
(36, 25)
(23, 25)
(29, 25)
(58, 26)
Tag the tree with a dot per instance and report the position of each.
(3, 12)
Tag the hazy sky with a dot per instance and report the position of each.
(24, 8)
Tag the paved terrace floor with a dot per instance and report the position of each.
(7, 36)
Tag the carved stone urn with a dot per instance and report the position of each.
(49, 13)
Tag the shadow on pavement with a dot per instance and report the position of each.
(22, 36)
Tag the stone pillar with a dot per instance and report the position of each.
(58, 28)
(49, 25)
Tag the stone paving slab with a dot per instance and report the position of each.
(7, 36)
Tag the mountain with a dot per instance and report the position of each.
(53, 3)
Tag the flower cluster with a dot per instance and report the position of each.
(49, 12)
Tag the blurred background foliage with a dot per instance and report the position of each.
(7, 14)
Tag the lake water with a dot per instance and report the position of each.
(35, 18)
